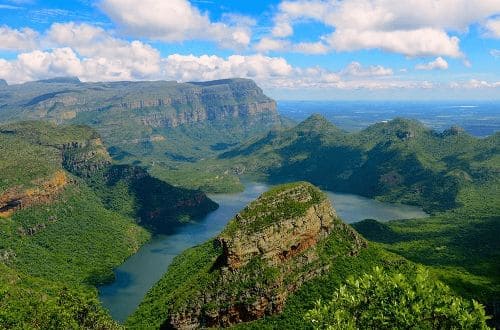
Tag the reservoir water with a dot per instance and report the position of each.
(142, 270)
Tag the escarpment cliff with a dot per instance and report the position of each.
(155, 103)
(254, 232)
(286, 237)
(42, 158)
(85, 158)
(42, 191)
(157, 120)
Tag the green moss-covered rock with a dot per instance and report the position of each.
(286, 237)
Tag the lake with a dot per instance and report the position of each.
(142, 270)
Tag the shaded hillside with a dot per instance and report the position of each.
(451, 174)
(400, 160)
(149, 121)
(68, 217)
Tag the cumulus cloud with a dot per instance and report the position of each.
(18, 40)
(357, 70)
(493, 28)
(175, 20)
(86, 51)
(258, 67)
(93, 54)
(409, 27)
(421, 42)
(276, 72)
(310, 47)
(475, 84)
(438, 64)
(269, 72)
(137, 59)
(270, 44)
(495, 53)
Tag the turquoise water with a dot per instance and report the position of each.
(138, 274)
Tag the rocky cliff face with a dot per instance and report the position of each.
(265, 253)
(154, 104)
(44, 191)
(280, 240)
(85, 157)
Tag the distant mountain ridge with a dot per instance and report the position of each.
(170, 103)
(400, 160)
(153, 123)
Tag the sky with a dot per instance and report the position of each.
(294, 49)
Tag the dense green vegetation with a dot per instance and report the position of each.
(381, 300)
(461, 245)
(79, 218)
(105, 208)
(160, 125)
(156, 205)
(269, 208)
(198, 281)
(31, 151)
(398, 161)
(451, 174)
(28, 302)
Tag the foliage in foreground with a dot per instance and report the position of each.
(383, 300)
(28, 302)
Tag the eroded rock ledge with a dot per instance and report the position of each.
(43, 192)
(286, 237)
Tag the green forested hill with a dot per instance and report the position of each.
(399, 161)
(67, 218)
(158, 124)
(452, 175)
(277, 258)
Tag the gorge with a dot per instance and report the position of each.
(138, 273)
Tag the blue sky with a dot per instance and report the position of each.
(294, 49)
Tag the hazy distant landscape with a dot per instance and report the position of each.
(479, 118)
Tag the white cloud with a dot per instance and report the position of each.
(357, 70)
(18, 40)
(258, 67)
(310, 47)
(409, 27)
(269, 72)
(438, 64)
(93, 54)
(475, 84)
(276, 72)
(493, 28)
(495, 53)
(85, 51)
(175, 20)
(421, 42)
(105, 55)
(269, 44)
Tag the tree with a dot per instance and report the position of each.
(382, 300)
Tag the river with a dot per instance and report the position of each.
(138, 273)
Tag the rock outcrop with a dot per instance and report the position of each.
(264, 254)
(153, 104)
(278, 240)
(85, 157)
(43, 191)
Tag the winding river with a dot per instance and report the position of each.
(138, 274)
